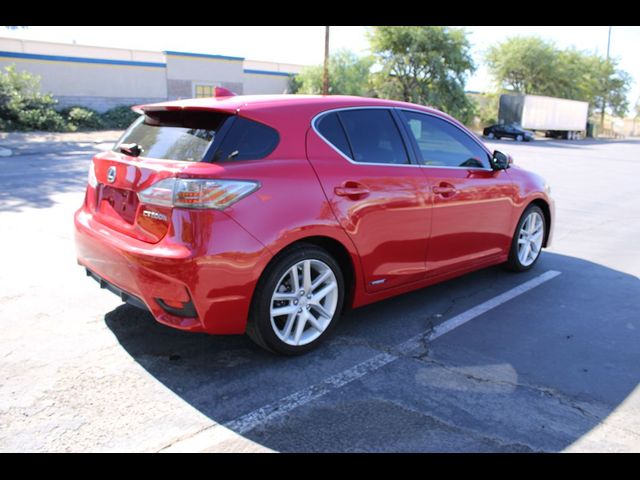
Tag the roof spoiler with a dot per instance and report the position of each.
(218, 92)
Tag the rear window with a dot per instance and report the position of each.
(183, 135)
(196, 136)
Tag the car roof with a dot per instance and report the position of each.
(249, 103)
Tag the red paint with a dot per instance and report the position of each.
(411, 226)
(222, 92)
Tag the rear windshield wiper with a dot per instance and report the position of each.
(131, 149)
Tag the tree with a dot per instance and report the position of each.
(523, 65)
(612, 85)
(591, 78)
(426, 65)
(348, 75)
(534, 66)
(486, 107)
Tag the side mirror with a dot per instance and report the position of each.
(500, 161)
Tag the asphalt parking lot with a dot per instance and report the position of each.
(552, 365)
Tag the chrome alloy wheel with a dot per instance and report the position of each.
(304, 302)
(530, 238)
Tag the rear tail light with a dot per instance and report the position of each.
(196, 193)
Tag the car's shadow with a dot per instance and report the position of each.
(583, 321)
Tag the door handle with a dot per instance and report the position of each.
(351, 189)
(444, 189)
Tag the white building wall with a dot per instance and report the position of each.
(82, 79)
(272, 66)
(185, 70)
(267, 77)
(85, 51)
(256, 84)
(97, 77)
(101, 77)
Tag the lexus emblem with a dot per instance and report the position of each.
(111, 174)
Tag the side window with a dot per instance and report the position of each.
(247, 140)
(443, 144)
(330, 128)
(373, 136)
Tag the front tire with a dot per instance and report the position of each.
(297, 301)
(490, 135)
(527, 240)
(519, 138)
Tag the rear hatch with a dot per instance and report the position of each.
(158, 145)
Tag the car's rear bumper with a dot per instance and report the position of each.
(124, 296)
(199, 277)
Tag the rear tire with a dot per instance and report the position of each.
(527, 241)
(490, 135)
(297, 301)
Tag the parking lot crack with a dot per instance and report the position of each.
(501, 443)
(561, 398)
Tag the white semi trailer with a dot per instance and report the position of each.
(556, 117)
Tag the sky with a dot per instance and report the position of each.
(305, 44)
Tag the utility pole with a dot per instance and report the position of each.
(325, 70)
(604, 94)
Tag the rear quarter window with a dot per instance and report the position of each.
(330, 128)
(246, 140)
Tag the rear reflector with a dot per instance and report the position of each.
(178, 309)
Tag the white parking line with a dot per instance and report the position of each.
(207, 438)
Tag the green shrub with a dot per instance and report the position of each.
(82, 118)
(119, 117)
(23, 107)
(41, 119)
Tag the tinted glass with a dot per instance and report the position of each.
(330, 128)
(443, 144)
(374, 136)
(174, 135)
(247, 140)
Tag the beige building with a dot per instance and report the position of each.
(102, 78)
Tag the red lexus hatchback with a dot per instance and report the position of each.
(269, 214)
